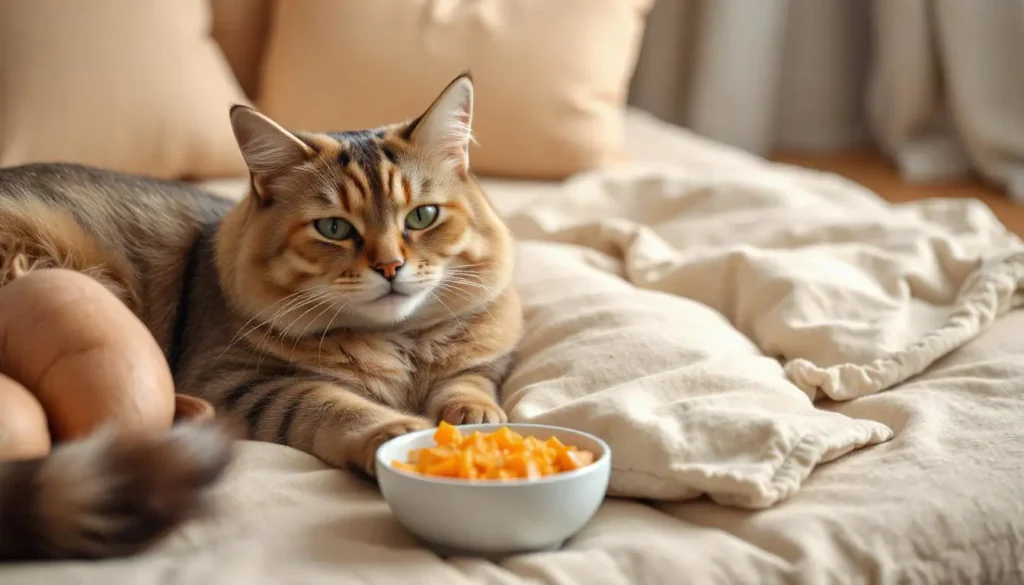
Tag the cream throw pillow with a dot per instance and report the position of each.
(551, 78)
(130, 85)
(240, 28)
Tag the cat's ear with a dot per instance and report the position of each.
(264, 144)
(443, 133)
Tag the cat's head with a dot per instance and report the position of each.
(372, 228)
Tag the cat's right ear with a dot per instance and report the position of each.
(265, 145)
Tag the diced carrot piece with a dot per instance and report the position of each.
(447, 434)
(516, 462)
(401, 466)
(433, 455)
(500, 455)
(446, 468)
(486, 461)
(584, 457)
(474, 441)
(507, 439)
(576, 459)
(554, 443)
(532, 444)
(466, 464)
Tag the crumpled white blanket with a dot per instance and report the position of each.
(694, 317)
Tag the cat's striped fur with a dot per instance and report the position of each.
(326, 343)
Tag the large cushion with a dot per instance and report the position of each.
(240, 28)
(551, 77)
(132, 86)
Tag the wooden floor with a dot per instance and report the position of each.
(876, 173)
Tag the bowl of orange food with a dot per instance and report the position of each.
(494, 490)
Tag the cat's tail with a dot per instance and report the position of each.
(109, 495)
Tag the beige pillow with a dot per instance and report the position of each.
(240, 29)
(134, 86)
(550, 76)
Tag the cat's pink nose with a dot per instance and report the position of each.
(388, 270)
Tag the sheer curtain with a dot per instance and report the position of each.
(937, 85)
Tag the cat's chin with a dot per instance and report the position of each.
(390, 308)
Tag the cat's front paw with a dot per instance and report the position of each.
(377, 436)
(468, 412)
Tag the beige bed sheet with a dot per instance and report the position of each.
(659, 298)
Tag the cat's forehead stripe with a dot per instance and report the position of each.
(366, 153)
(369, 176)
(343, 197)
(407, 189)
(355, 177)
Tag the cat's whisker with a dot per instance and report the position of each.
(238, 334)
(315, 302)
(298, 338)
(477, 273)
(272, 327)
(469, 295)
(320, 347)
(462, 278)
(318, 299)
(453, 289)
(436, 296)
(469, 283)
(297, 299)
(467, 275)
(292, 299)
(461, 266)
(466, 278)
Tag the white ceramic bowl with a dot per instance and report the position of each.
(494, 518)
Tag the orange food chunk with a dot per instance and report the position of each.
(575, 459)
(447, 435)
(507, 439)
(404, 466)
(431, 456)
(446, 468)
(499, 456)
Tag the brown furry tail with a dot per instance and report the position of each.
(109, 495)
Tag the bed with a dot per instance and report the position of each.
(800, 383)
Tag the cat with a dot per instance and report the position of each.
(361, 290)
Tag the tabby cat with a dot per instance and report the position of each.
(360, 291)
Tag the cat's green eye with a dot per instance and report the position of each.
(334, 228)
(422, 217)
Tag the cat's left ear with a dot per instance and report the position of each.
(443, 133)
(265, 145)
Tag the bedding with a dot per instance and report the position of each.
(800, 384)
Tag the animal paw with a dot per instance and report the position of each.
(470, 412)
(383, 433)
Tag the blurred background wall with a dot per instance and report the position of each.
(936, 85)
